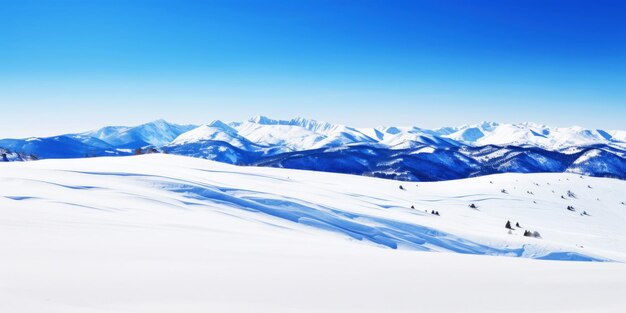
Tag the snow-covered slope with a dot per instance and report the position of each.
(616, 135)
(161, 233)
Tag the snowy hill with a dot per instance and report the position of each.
(188, 232)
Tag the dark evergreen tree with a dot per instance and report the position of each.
(508, 225)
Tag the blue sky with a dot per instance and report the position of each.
(77, 65)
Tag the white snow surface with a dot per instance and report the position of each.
(165, 233)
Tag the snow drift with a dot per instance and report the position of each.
(162, 233)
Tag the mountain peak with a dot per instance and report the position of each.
(218, 124)
(159, 122)
(263, 120)
(221, 126)
(486, 125)
(309, 124)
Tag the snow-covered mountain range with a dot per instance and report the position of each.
(408, 153)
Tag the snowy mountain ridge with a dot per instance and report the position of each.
(405, 153)
(481, 134)
(265, 131)
(156, 133)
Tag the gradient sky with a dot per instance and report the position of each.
(77, 65)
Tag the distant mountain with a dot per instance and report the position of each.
(407, 137)
(106, 141)
(599, 162)
(215, 131)
(65, 146)
(529, 134)
(405, 153)
(156, 133)
(299, 134)
(433, 164)
(10, 156)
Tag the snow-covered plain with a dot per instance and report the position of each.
(164, 233)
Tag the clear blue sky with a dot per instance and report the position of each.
(77, 65)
